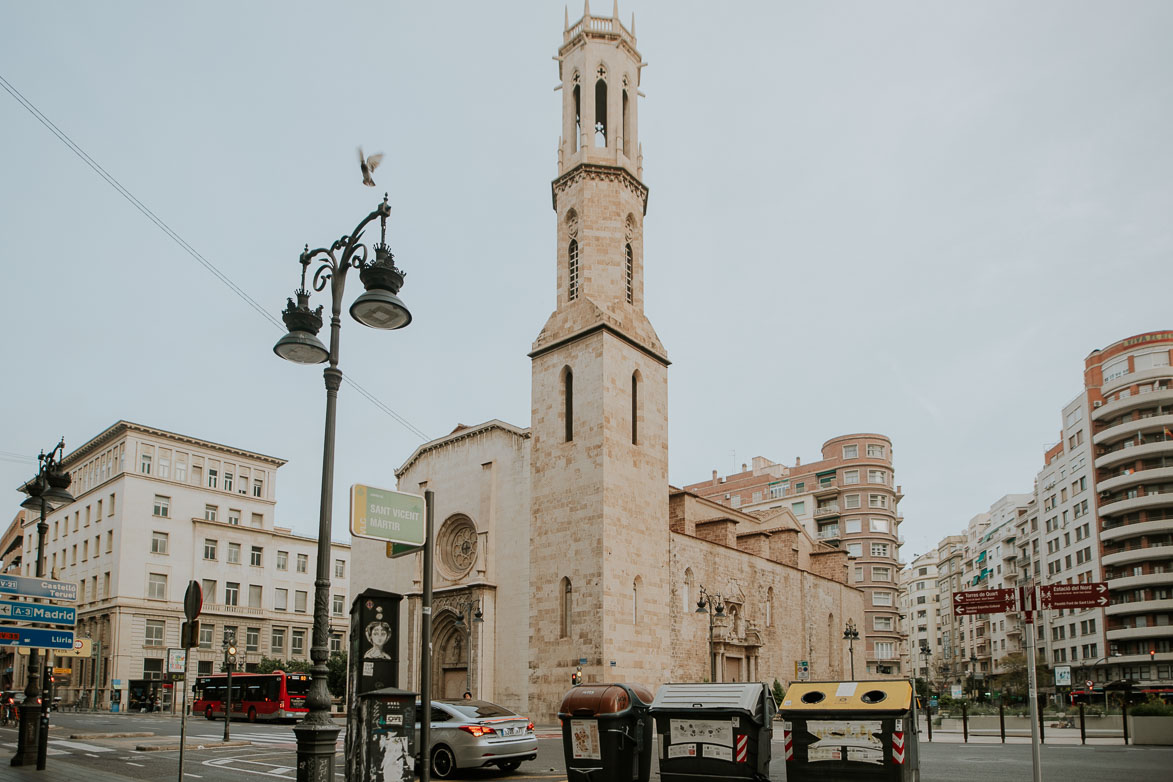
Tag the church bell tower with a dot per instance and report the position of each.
(599, 448)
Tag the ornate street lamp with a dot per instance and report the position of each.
(711, 605)
(380, 308)
(851, 635)
(47, 491)
(477, 617)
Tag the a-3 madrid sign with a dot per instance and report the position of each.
(389, 516)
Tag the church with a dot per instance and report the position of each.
(561, 546)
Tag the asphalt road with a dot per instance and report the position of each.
(272, 754)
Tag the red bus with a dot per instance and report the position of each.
(255, 696)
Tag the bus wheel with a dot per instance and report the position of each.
(208, 715)
(252, 714)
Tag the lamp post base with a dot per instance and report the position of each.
(316, 743)
(28, 735)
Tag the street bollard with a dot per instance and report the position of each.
(929, 717)
(965, 723)
(1002, 721)
(1042, 728)
(1082, 727)
(1124, 720)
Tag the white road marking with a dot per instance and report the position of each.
(140, 765)
(78, 745)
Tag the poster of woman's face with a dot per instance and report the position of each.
(378, 633)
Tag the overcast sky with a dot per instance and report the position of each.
(913, 218)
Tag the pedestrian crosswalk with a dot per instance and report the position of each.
(256, 737)
(61, 747)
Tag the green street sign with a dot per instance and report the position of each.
(401, 549)
(382, 514)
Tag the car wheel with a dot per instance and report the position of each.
(443, 763)
(208, 715)
(252, 714)
(509, 766)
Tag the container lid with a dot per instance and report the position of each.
(594, 699)
(889, 695)
(390, 693)
(744, 696)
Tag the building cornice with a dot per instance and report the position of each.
(599, 173)
(458, 435)
(608, 328)
(122, 428)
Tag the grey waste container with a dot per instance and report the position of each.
(714, 731)
(386, 744)
(607, 733)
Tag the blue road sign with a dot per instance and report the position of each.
(38, 637)
(38, 587)
(38, 612)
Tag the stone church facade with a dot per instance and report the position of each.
(562, 544)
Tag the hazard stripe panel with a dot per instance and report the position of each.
(898, 748)
(742, 748)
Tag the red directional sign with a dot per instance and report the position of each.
(984, 601)
(1089, 595)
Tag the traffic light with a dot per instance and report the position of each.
(1152, 655)
(231, 654)
(576, 677)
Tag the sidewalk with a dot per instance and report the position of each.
(55, 771)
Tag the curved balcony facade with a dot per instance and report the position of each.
(1135, 478)
(1135, 530)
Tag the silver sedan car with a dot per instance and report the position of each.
(471, 734)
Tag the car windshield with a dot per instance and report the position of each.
(478, 709)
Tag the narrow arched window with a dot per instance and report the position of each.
(626, 127)
(577, 116)
(601, 113)
(635, 601)
(568, 402)
(566, 592)
(629, 274)
(687, 591)
(770, 607)
(635, 407)
(572, 269)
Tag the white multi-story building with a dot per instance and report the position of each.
(948, 667)
(919, 600)
(154, 511)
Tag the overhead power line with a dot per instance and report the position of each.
(179, 240)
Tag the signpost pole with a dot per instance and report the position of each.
(1026, 593)
(425, 716)
(183, 717)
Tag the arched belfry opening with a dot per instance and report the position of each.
(601, 108)
(626, 126)
(577, 97)
(568, 402)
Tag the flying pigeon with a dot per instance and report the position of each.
(368, 165)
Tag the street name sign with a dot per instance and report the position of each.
(1088, 595)
(983, 601)
(38, 587)
(82, 647)
(382, 514)
(38, 612)
(38, 637)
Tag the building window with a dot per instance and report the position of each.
(157, 586)
(228, 481)
(254, 556)
(144, 464)
(180, 470)
(854, 549)
(572, 269)
(882, 623)
(299, 598)
(885, 650)
(208, 586)
(258, 520)
(635, 410)
(303, 563)
(881, 598)
(153, 669)
(339, 605)
(877, 501)
(234, 517)
(568, 403)
(335, 643)
(850, 476)
(629, 275)
(877, 476)
(213, 478)
(852, 525)
(881, 574)
(879, 525)
(209, 548)
(851, 500)
(162, 506)
(339, 568)
(206, 631)
(234, 553)
(252, 639)
(297, 643)
(566, 608)
(797, 508)
(851, 452)
(210, 512)
(281, 600)
(283, 560)
(159, 542)
(879, 549)
(155, 629)
(258, 487)
(232, 593)
(254, 596)
(277, 640)
(876, 451)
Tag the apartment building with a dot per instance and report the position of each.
(848, 498)
(949, 667)
(919, 611)
(153, 511)
(1129, 392)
